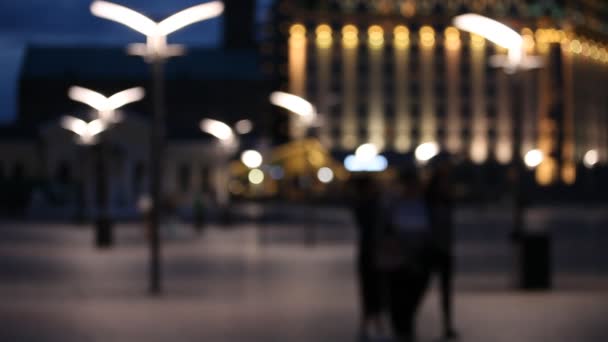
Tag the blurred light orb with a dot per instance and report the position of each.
(218, 129)
(426, 151)
(325, 175)
(251, 158)
(276, 172)
(256, 176)
(591, 158)
(533, 158)
(243, 126)
(376, 164)
(366, 152)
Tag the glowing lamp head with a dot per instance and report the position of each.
(243, 126)
(252, 159)
(87, 131)
(218, 129)
(533, 158)
(426, 151)
(156, 32)
(295, 104)
(591, 158)
(325, 175)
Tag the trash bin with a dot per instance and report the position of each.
(535, 261)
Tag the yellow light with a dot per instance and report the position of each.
(604, 55)
(595, 52)
(427, 36)
(297, 30)
(576, 46)
(528, 43)
(527, 31)
(586, 49)
(324, 36)
(256, 176)
(402, 36)
(350, 36)
(297, 35)
(569, 173)
(375, 36)
(477, 41)
(452, 38)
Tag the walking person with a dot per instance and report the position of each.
(405, 253)
(366, 209)
(440, 204)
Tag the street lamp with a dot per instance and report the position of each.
(106, 106)
(295, 104)
(516, 60)
(156, 52)
(426, 151)
(88, 133)
(220, 130)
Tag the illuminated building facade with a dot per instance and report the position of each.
(397, 74)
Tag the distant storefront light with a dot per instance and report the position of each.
(591, 158)
(325, 175)
(252, 159)
(426, 151)
(533, 158)
(354, 164)
(256, 176)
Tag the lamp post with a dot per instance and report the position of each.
(106, 115)
(88, 135)
(515, 61)
(156, 52)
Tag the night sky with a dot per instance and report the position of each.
(69, 23)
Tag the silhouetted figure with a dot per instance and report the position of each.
(366, 209)
(405, 253)
(440, 204)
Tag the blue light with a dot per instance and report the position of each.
(354, 164)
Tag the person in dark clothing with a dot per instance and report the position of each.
(407, 230)
(365, 209)
(440, 204)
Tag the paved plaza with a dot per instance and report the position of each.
(254, 282)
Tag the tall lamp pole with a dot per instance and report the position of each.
(156, 52)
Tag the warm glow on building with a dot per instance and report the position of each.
(375, 36)
(297, 70)
(376, 119)
(350, 36)
(427, 36)
(349, 122)
(401, 37)
(324, 36)
(452, 38)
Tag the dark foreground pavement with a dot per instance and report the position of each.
(260, 283)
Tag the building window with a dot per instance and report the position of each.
(183, 177)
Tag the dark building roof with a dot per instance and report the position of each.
(113, 63)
